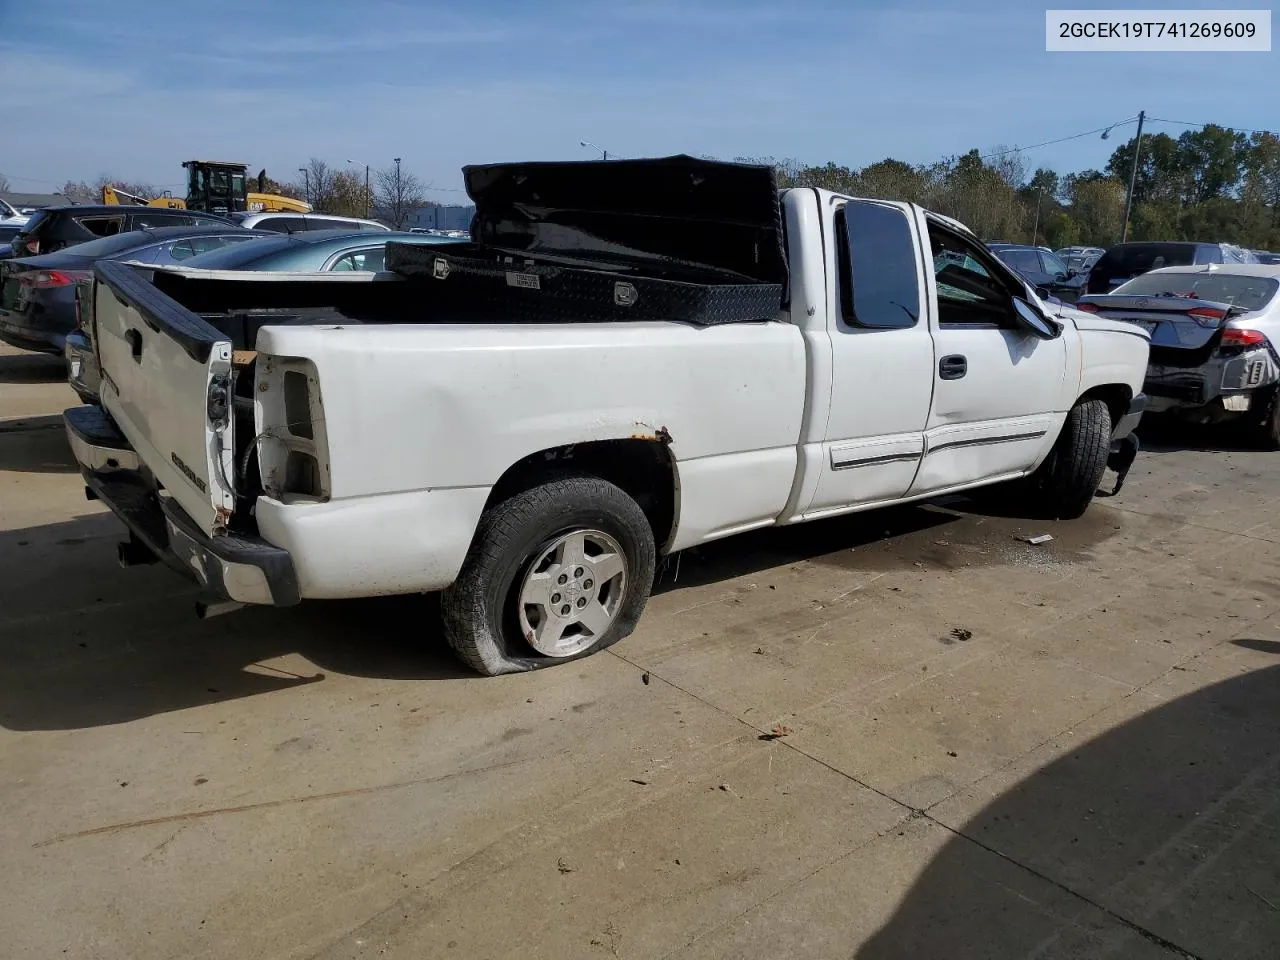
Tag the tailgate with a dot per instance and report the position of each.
(166, 382)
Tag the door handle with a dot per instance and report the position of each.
(953, 367)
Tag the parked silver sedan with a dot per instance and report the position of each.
(1215, 330)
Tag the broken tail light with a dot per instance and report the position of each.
(1235, 337)
(47, 279)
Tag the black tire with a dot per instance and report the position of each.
(1266, 427)
(480, 610)
(1063, 486)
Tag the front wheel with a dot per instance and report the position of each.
(555, 573)
(1063, 486)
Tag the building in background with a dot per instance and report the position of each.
(34, 201)
(456, 217)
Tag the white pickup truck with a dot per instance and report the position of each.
(281, 438)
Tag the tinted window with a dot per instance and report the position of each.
(324, 223)
(7, 233)
(1052, 265)
(1130, 259)
(880, 286)
(1204, 254)
(1024, 261)
(102, 226)
(161, 220)
(371, 261)
(281, 224)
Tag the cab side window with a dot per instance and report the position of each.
(879, 277)
(970, 292)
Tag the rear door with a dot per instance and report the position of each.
(166, 382)
(881, 357)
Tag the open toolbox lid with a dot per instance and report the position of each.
(670, 210)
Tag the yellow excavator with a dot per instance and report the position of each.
(215, 187)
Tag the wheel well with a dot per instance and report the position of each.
(642, 468)
(1115, 395)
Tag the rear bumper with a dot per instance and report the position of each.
(239, 568)
(1129, 422)
(1186, 388)
(28, 338)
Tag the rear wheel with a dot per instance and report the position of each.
(1266, 429)
(555, 573)
(1063, 486)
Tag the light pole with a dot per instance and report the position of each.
(604, 154)
(1133, 172)
(306, 183)
(366, 187)
(399, 197)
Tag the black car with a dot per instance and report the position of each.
(1128, 260)
(1042, 269)
(37, 294)
(54, 228)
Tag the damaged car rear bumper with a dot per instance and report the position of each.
(234, 567)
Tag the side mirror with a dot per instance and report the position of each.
(1044, 293)
(1034, 321)
(1060, 277)
(1072, 272)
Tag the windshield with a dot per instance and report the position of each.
(37, 218)
(241, 255)
(1248, 293)
(105, 247)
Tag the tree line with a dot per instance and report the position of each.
(1213, 184)
(393, 194)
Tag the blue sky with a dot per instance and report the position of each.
(130, 88)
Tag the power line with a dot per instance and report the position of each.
(1185, 123)
(1074, 136)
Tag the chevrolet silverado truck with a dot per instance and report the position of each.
(285, 437)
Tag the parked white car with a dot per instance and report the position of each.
(297, 222)
(373, 441)
(10, 216)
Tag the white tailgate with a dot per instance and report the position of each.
(166, 382)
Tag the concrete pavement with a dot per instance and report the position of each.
(903, 734)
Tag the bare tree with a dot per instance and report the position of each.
(317, 183)
(397, 194)
(4, 183)
(348, 197)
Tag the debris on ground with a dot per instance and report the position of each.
(729, 790)
(776, 732)
(760, 650)
(961, 633)
(644, 678)
(563, 866)
(951, 753)
(1036, 540)
(643, 783)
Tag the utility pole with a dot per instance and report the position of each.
(366, 186)
(1035, 231)
(1133, 177)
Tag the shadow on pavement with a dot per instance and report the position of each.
(35, 445)
(32, 368)
(775, 546)
(1169, 822)
(85, 643)
(1167, 434)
